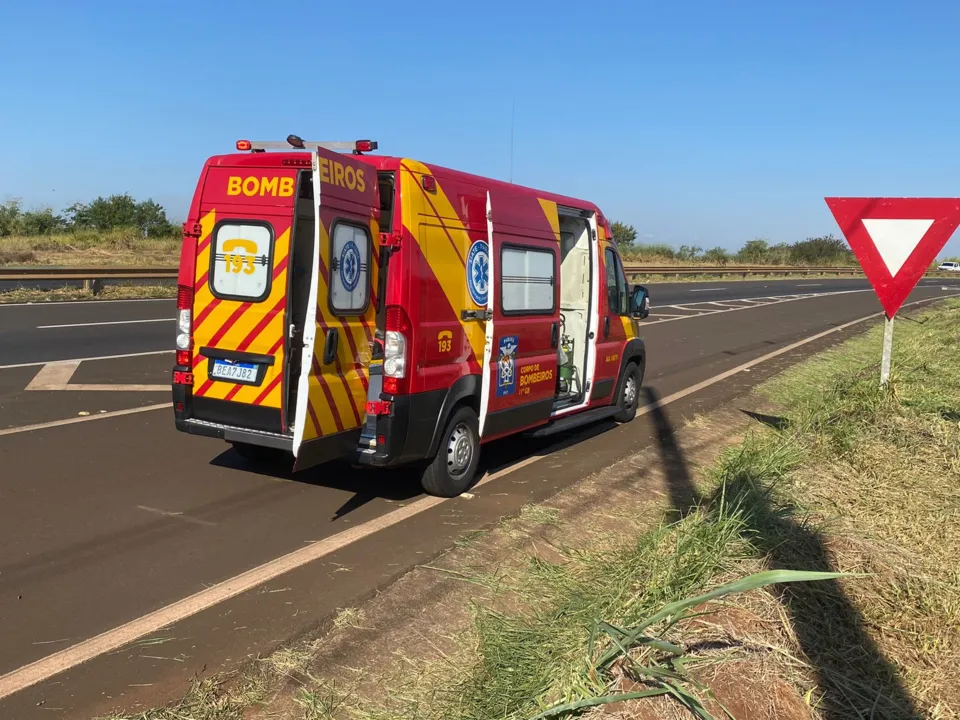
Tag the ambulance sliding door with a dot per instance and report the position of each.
(523, 327)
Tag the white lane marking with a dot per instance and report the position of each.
(706, 289)
(113, 322)
(85, 418)
(776, 300)
(91, 303)
(56, 376)
(811, 285)
(177, 515)
(111, 640)
(659, 314)
(84, 359)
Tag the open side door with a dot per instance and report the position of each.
(341, 310)
(519, 382)
(487, 378)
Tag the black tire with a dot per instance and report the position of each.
(453, 470)
(257, 453)
(629, 398)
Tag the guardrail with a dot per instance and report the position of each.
(744, 270)
(93, 277)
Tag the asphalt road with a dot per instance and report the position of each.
(39, 332)
(104, 521)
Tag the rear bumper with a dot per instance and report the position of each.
(213, 421)
(407, 432)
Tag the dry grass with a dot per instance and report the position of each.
(109, 292)
(90, 248)
(882, 472)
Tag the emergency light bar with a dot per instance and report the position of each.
(295, 143)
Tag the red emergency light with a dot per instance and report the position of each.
(244, 145)
(366, 145)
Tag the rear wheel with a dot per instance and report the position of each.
(630, 393)
(256, 453)
(453, 469)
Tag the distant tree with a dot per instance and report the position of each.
(826, 250)
(717, 255)
(119, 211)
(689, 252)
(624, 235)
(10, 218)
(41, 222)
(754, 251)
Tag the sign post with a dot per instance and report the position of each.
(887, 351)
(895, 240)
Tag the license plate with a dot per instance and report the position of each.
(236, 371)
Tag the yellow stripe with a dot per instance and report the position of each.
(550, 210)
(447, 267)
(345, 401)
(628, 330)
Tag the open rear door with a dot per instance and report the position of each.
(341, 310)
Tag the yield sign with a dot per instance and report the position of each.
(895, 239)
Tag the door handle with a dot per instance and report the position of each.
(606, 326)
(330, 346)
(554, 335)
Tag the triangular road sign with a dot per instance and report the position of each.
(895, 239)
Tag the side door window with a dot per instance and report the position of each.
(618, 300)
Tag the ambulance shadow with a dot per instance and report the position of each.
(852, 674)
(367, 485)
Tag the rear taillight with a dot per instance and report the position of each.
(395, 340)
(181, 377)
(184, 324)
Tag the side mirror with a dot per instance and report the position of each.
(639, 302)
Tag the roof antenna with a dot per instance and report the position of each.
(513, 117)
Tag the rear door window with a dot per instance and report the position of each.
(350, 269)
(242, 259)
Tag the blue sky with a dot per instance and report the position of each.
(699, 122)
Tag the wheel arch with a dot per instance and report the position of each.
(465, 391)
(633, 351)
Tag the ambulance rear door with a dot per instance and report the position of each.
(338, 336)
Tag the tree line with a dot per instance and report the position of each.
(822, 251)
(104, 213)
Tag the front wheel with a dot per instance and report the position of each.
(630, 394)
(452, 471)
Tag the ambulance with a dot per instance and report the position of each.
(336, 304)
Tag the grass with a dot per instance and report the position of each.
(90, 248)
(859, 480)
(109, 292)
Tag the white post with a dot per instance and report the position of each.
(887, 351)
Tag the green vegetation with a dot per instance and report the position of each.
(819, 251)
(103, 214)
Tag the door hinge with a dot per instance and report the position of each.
(193, 230)
(476, 315)
(390, 240)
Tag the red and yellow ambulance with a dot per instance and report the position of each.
(334, 304)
